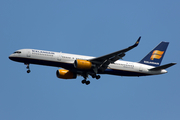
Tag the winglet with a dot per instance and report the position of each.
(137, 42)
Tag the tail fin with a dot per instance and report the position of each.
(155, 57)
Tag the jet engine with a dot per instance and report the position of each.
(82, 64)
(65, 74)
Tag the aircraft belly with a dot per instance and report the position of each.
(44, 62)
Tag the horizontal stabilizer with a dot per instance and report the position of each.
(162, 67)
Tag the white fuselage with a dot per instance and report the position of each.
(66, 61)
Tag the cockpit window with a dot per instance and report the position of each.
(17, 52)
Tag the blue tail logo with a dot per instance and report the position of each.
(155, 57)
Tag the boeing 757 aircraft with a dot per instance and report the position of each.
(73, 65)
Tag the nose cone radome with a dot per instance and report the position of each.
(11, 57)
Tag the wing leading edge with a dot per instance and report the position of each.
(103, 61)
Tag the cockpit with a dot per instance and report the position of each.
(15, 55)
(17, 52)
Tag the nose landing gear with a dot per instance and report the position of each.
(28, 71)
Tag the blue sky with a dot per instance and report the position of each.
(95, 28)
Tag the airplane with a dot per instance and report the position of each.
(78, 65)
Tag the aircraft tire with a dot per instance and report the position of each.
(83, 81)
(87, 82)
(28, 71)
(98, 77)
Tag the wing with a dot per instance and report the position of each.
(103, 61)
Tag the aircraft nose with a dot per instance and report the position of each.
(11, 57)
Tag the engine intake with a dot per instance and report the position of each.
(82, 64)
(65, 74)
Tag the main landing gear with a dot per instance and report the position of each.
(96, 76)
(87, 82)
(85, 75)
(28, 71)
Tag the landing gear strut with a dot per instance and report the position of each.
(28, 71)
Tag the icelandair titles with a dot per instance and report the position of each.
(41, 52)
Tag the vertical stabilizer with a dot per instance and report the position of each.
(155, 57)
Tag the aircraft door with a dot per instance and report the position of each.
(59, 56)
(29, 53)
(141, 68)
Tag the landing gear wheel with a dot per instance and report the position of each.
(87, 82)
(28, 71)
(93, 76)
(83, 81)
(98, 76)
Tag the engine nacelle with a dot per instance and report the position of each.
(82, 64)
(65, 74)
